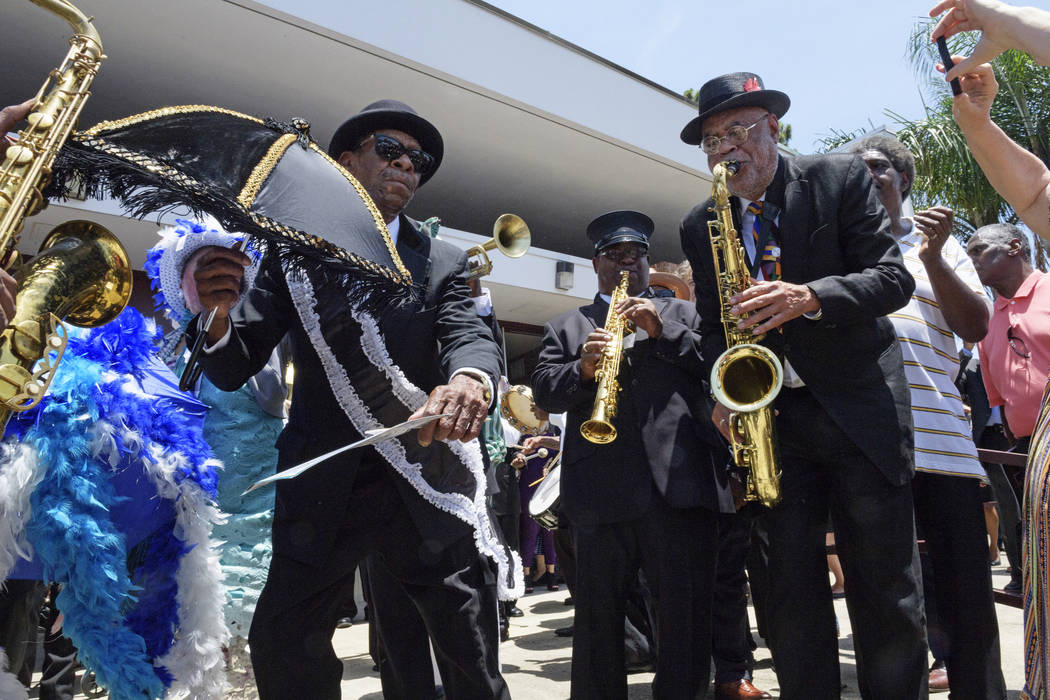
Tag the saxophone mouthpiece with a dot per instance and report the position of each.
(732, 166)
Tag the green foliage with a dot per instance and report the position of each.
(692, 95)
(785, 134)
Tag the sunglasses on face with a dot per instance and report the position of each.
(390, 149)
(618, 255)
(735, 136)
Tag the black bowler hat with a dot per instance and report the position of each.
(620, 227)
(729, 92)
(389, 114)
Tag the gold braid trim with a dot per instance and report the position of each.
(163, 112)
(194, 186)
(262, 170)
(367, 199)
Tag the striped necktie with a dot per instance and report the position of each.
(770, 262)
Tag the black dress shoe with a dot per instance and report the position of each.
(504, 633)
(515, 611)
(564, 631)
(344, 622)
(569, 601)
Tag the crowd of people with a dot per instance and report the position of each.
(875, 428)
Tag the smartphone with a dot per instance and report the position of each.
(946, 59)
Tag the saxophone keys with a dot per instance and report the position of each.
(41, 120)
(19, 155)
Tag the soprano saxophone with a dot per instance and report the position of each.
(82, 273)
(599, 428)
(747, 376)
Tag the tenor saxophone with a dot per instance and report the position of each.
(82, 273)
(599, 428)
(747, 376)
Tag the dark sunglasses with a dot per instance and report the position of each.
(390, 149)
(618, 255)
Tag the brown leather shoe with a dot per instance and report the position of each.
(938, 680)
(739, 690)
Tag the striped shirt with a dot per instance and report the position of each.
(943, 438)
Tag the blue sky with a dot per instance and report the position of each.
(842, 63)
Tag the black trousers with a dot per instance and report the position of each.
(453, 591)
(875, 534)
(677, 550)
(961, 615)
(993, 438)
(731, 629)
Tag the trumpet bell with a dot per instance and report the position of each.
(510, 235)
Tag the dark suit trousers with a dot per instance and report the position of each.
(731, 641)
(454, 592)
(962, 622)
(875, 533)
(677, 551)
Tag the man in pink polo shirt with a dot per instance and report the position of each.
(1015, 355)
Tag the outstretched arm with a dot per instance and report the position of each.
(1015, 173)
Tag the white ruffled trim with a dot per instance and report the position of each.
(472, 511)
(195, 660)
(20, 473)
(10, 688)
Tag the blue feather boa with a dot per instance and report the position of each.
(120, 623)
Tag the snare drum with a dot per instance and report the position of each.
(544, 504)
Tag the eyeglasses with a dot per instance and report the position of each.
(735, 136)
(619, 254)
(390, 149)
(1015, 342)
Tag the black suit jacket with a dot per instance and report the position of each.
(665, 439)
(834, 237)
(428, 342)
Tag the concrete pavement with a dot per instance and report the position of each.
(536, 662)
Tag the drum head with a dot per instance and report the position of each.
(516, 406)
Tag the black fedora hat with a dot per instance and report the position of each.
(729, 92)
(389, 114)
(620, 227)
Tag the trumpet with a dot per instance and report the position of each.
(510, 235)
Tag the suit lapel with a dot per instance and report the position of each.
(414, 249)
(791, 196)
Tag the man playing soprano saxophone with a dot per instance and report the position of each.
(650, 498)
(828, 272)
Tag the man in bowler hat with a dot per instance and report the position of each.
(826, 272)
(355, 505)
(651, 498)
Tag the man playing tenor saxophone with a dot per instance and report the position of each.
(651, 496)
(825, 275)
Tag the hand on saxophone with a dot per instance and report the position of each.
(722, 417)
(8, 291)
(218, 281)
(591, 352)
(9, 116)
(643, 314)
(772, 304)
